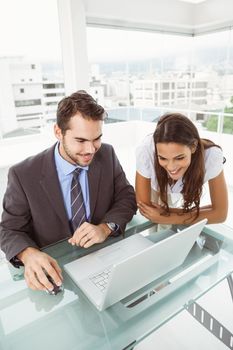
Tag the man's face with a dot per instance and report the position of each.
(81, 141)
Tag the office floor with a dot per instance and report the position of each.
(184, 332)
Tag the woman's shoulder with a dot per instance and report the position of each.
(213, 153)
(148, 140)
(145, 157)
(213, 162)
(146, 144)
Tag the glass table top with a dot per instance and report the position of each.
(36, 320)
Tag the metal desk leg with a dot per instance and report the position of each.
(230, 283)
(211, 324)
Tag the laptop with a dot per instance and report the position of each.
(114, 272)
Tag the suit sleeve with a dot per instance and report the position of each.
(124, 205)
(16, 221)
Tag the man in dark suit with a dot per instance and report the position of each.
(40, 200)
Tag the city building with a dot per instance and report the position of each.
(31, 96)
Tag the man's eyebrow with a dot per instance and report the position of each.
(83, 139)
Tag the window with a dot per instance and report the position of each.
(165, 86)
(24, 103)
(53, 86)
(200, 85)
(181, 85)
(165, 95)
(211, 66)
(55, 94)
(54, 103)
(180, 70)
(125, 69)
(199, 93)
(180, 94)
(30, 52)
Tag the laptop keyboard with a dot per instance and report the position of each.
(100, 279)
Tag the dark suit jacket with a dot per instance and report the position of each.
(34, 213)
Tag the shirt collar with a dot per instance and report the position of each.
(63, 165)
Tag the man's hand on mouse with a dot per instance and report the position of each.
(37, 264)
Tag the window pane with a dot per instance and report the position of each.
(30, 65)
(140, 69)
(145, 70)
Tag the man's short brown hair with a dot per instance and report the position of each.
(81, 102)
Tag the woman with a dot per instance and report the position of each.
(172, 166)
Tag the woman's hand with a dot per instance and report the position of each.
(151, 212)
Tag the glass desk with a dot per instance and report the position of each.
(36, 320)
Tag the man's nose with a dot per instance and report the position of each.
(89, 147)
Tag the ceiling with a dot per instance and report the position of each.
(193, 1)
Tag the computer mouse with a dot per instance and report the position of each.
(56, 289)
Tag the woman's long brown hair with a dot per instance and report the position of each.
(177, 128)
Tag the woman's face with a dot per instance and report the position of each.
(175, 158)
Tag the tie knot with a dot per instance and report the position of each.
(77, 171)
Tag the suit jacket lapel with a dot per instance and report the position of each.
(94, 174)
(51, 186)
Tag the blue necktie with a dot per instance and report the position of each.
(77, 202)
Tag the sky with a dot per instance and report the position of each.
(133, 45)
(30, 28)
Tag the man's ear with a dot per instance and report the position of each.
(57, 132)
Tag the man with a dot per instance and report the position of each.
(75, 190)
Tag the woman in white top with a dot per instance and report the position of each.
(172, 166)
